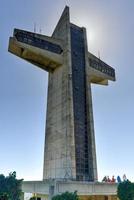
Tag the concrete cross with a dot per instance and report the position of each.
(70, 151)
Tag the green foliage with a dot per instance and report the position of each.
(4, 196)
(66, 196)
(10, 187)
(33, 198)
(126, 190)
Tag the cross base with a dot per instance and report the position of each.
(86, 190)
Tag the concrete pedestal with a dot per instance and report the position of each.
(86, 190)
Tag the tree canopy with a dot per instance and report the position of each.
(33, 198)
(66, 196)
(126, 190)
(10, 187)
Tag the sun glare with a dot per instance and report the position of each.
(91, 36)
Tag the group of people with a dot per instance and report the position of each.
(106, 179)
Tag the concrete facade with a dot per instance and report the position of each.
(59, 156)
(70, 152)
(59, 187)
(84, 189)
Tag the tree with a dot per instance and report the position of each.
(4, 196)
(66, 196)
(126, 190)
(10, 187)
(33, 198)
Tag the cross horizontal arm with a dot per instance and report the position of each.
(43, 51)
(100, 72)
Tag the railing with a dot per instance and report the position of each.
(102, 67)
(31, 39)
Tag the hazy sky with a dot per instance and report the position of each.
(23, 87)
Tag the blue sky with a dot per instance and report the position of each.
(23, 87)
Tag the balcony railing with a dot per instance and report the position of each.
(102, 67)
(31, 39)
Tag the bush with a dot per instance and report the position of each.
(33, 198)
(10, 187)
(126, 190)
(66, 196)
(4, 196)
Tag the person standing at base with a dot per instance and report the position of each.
(119, 179)
(113, 179)
(124, 177)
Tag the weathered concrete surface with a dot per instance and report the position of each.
(59, 156)
(42, 58)
(39, 187)
(64, 130)
(82, 188)
(60, 144)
